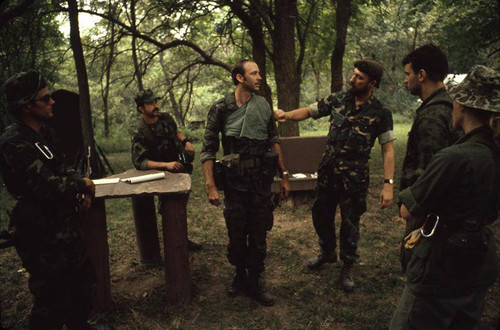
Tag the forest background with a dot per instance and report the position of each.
(183, 50)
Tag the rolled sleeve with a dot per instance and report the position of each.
(204, 156)
(387, 136)
(314, 110)
(406, 197)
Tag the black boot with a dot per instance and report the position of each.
(239, 282)
(257, 290)
(346, 279)
(322, 259)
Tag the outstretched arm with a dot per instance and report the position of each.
(294, 115)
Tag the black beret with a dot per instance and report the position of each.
(371, 68)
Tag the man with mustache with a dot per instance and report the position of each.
(158, 145)
(357, 119)
(251, 156)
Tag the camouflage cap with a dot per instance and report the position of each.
(22, 88)
(145, 96)
(371, 68)
(479, 90)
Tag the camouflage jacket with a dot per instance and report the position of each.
(260, 177)
(352, 134)
(431, 131)
(161, 146)
(216, 120)
(45, 188)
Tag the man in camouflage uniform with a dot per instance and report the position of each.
(425, 69)
(357, 119)
(158, 145)
(45, 219)
(246, 123)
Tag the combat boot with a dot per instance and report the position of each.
(239, 282)
(257, 290)
(346, 279)
(322, 259)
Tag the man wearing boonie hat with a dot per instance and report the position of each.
(454, 259)
(45, 219)
(158, 144)
(357, 119)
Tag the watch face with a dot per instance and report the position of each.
(390, 181)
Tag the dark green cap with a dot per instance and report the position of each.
(371, 68)
(145, 96)
(21, 88)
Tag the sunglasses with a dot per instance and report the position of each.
(45, 99)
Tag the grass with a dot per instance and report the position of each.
(305, 299)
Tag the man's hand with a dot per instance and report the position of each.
(280, 115)
(213, 194)
(386, 196)
(284, 186)
(189, 147)
(89, 187)
(174, 167)
(85, 202)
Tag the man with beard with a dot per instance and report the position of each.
(158, 145)
(251, 156)
(425, 69)
(357, 119)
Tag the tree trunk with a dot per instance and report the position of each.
(83, 89)
(287, 82)
(138, 71)
(343, 15)
(109, 64)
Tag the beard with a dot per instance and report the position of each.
(358, 91)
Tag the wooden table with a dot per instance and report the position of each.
(174, 191)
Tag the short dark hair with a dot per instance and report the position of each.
(238, 69)
(430, 58)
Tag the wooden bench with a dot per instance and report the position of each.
(301, 155)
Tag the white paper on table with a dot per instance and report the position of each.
(299, 175)
(106, 181)
(144, 178)
(314, 175)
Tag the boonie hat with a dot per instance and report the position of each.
(145, 96)
(479, 90)
(22, 88)
(371, 68)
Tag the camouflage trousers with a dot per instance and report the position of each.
(249, 215)
(62, 281)
(352, 206)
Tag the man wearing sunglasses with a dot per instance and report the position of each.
(45, 219)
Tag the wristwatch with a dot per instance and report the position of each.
(185, 141)
(389, 181)
(285, 173)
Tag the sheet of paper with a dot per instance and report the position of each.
(299, 176)
(106, 181)
(144, 178)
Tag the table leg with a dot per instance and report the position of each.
(146, 229)
(95, 238)
(175, 242)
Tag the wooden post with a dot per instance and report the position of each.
(95, 237)
(146, 229)
(175, 242)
